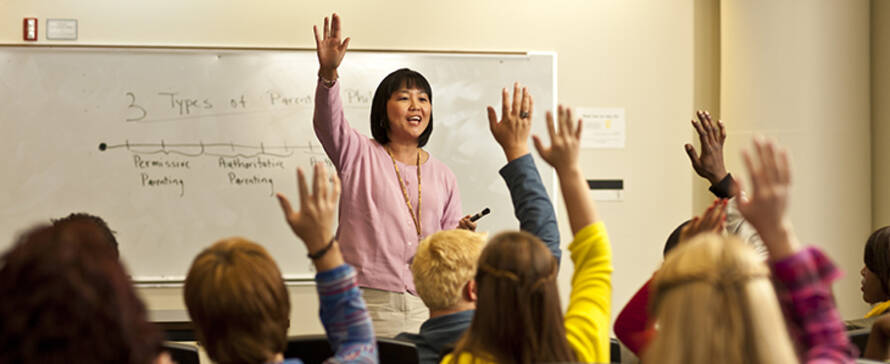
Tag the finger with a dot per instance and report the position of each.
(327, 28)
(784, 166)
(693, 156)
(771, 163)
(531, 106)
(321, 180)
(566, 126)
(345, 44)
(335, 190)
(702, 135)
(517, 100)
(550, 128)
(335, 26)
(713, 131)
(539, 146)
(317, 37)
(721, 216)
(316, 183)
(707, 126)
(505, 103)
(722, 131)
(471, 225)
(753, 173)
(301, 186)
(492, 119)
(760, 148)
(716, 215)
(526, 102)
(578, 130)
(285, 205)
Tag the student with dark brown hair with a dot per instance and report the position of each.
(518, 314)
(236, 297)
(65, 298)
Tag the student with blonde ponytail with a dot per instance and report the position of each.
(713, 300)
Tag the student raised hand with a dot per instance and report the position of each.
(512, 131)
(562, 154)
(766, 208)
(565, 144)
(712, 221)
(314, 222)
(709, 164)
(330, 48)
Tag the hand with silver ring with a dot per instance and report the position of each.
(512, 131)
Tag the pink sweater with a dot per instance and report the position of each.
(376, 231)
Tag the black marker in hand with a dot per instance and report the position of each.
(480, 214)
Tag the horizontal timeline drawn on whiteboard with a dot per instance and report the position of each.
(161, 165)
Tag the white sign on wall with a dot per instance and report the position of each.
(604, 128)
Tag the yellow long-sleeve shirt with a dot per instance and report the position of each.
(587, 319)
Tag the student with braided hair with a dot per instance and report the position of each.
(518, 314)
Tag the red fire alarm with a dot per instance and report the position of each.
(29, 29)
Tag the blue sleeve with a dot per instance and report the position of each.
(345, 317)
(531, 203)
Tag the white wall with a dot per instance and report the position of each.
(636, 54)
(880, 109)
(798, 71)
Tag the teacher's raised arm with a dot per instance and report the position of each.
(394, 192)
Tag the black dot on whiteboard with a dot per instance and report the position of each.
(103, 146)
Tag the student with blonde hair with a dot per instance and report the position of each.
(713, 300)
(237, 300)
(518, 317)
(445, 263)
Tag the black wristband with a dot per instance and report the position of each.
(723, 189)
(323, 251)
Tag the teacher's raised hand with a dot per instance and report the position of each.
(330, 48)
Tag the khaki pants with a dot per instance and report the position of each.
(394, 312)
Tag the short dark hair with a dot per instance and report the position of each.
(390, 84)
(107, 233)
(877, 256)
(67, 298)
(674, 238)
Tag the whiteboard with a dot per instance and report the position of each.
(178, 148)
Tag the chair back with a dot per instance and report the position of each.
(182, 353)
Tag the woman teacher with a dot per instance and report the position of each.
(394, 192)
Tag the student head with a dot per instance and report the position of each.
(518, 315)
(236, 298)
(92, 219)
(876, 272)
(401, 96)
(674, 238)
(714, 303)
(443, 269)
(65, 298)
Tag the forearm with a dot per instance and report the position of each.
(588, 313)
(336, 136)
(780, 240)
(803, 290)
(531, 204)
(344, 314)
(579, 205)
